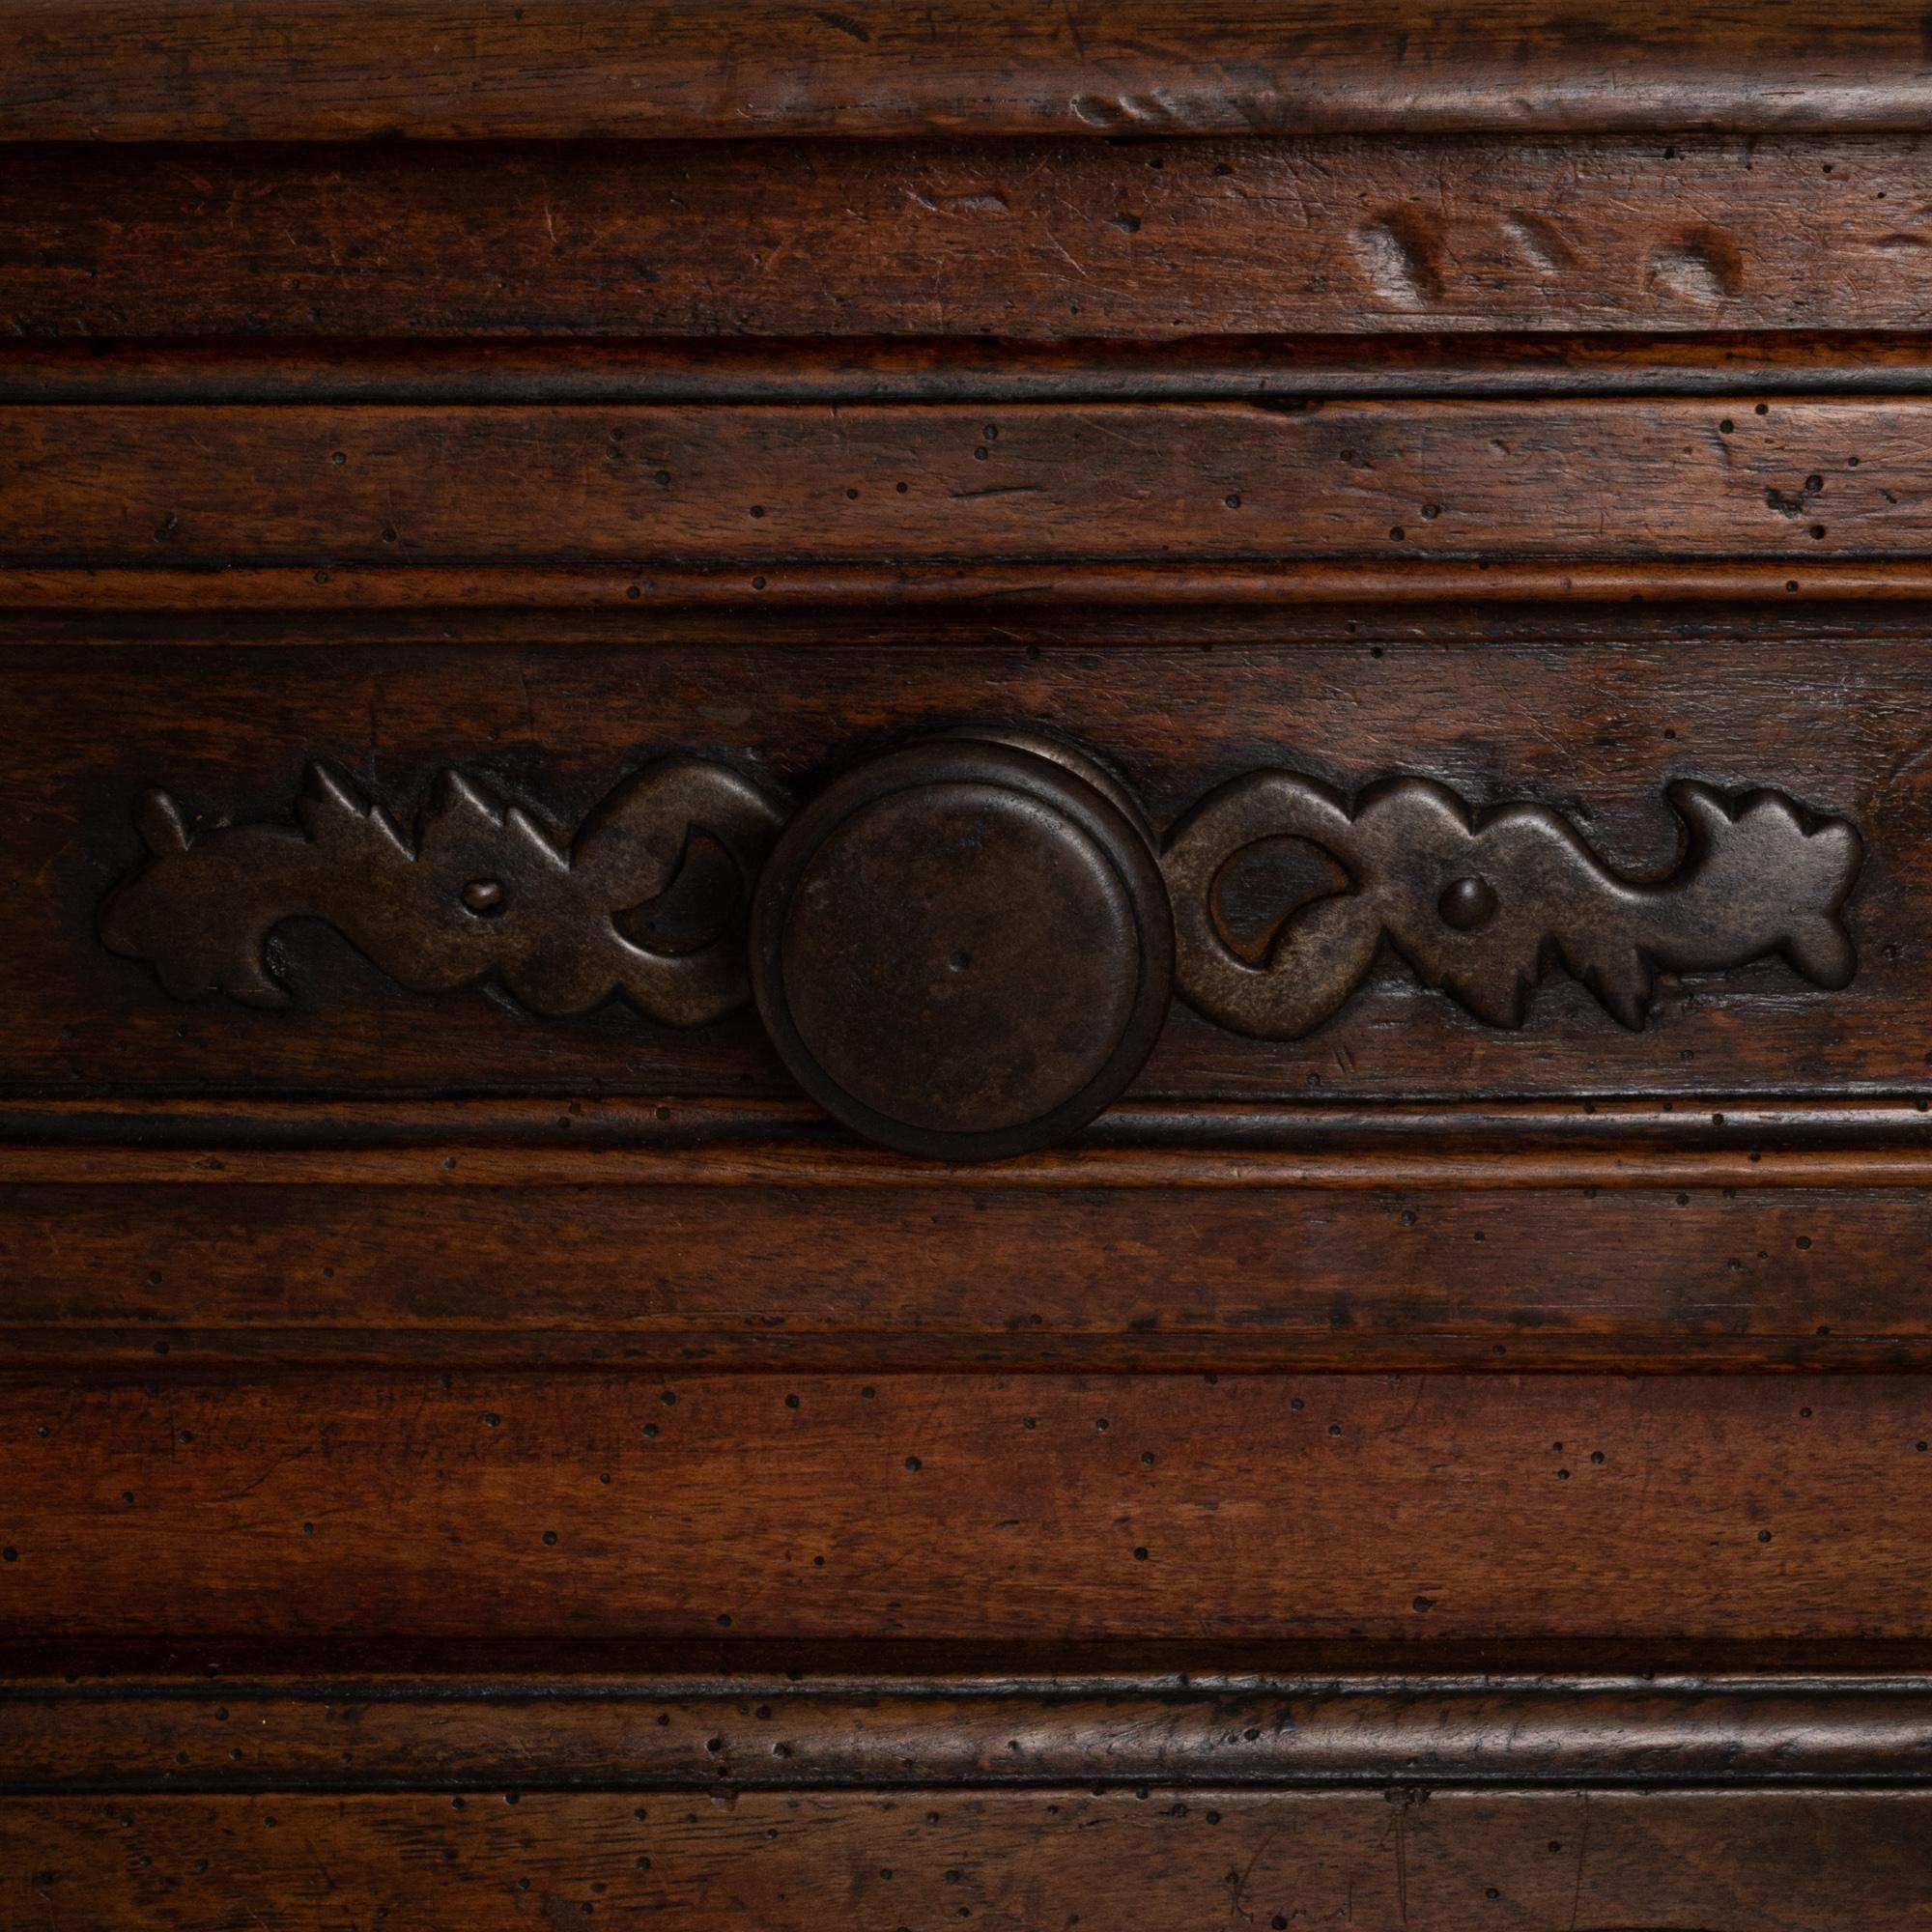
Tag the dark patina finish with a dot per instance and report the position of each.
(645, 903)
(1483, 905)
(964, 950)
(480, 1452)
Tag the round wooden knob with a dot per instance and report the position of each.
(964, 950)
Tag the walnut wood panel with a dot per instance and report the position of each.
(135, 70)
(754, 1727)
(965, 1273)
(967, 1506)
(1161, 1858)
(1159, 242)
(1593, 479)
(481, 1450)
(1592, 731)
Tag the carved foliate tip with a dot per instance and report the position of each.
(476, 887)
(158, 820)
(520, 825)
(325, 795)
(450, 792)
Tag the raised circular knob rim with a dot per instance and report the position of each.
(1055, 783)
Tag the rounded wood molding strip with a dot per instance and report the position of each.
(1714, 1142)
(728, 1665)
(685, 1122)
(643, 1733)
(162, 70)
(505, 369)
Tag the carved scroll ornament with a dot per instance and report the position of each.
(1482, 905)
(481, 888)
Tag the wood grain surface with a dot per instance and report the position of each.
(1231, 1236)
(1148, 242)
(1596, 731)
(143, 70)
(1595, 480)
(1159, 1859)
(978, 1507)
(965, 1275)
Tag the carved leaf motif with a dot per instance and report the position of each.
(1483, 906)
(482, 889)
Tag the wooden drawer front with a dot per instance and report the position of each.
(1594, 730)
(993, 984)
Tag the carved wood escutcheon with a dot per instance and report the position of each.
(482, 888)
(1483, 905)
(964, 949)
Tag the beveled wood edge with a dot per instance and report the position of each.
(996, 591)
(147, 69)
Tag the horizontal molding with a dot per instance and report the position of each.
(715, 1143)
(959, 369)
(1640, 1237)
(639, 1733)
(684, 1122)
(331, 67)
(973, 629)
